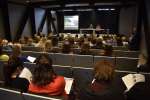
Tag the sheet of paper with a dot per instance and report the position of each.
(129, 81)
(68, 86)
(139, 78)
(26, 74)
(31, 59)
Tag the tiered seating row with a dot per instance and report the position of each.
(79, 74)
(121, 63)
(116, 52)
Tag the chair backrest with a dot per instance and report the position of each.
(83, 60)
(82, 75)
(1, 72)
(63, 59)
(76, 50)
(120, 53)
(99, 58)
(120, 48)
(8, 94)
(126, 63)
(63, 70)
(31, 48)
(29, 96)
(8, 52)
(31, 53)
(30, 66)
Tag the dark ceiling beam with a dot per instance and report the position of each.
(18, 3)
(32, 20)
(86, 7)
(5, 18)
(22, 24)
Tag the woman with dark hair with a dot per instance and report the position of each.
(102, 87)
(66, 47)
(12, 71)
(45, 80)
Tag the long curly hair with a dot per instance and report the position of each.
(43, 74)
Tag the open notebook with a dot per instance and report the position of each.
(26, 73)
(131, 79)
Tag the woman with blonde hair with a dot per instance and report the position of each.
(48, 46)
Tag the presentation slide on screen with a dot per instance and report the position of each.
(71, 22)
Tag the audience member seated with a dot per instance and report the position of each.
(99, 44)
(3, 57)
(16, 52)
(143, 64)
(43, 58)
(106, 51)
(140, 91)
(66, 47)
(55, 48)
(48, 46)
(11, 73)
(101, 88)
(45, 80)
(30, 42)
(6, 46)
(93, 43)
(41, 43)
(85, 49)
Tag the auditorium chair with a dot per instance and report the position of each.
(65, 71)
(99, 58)
(31, 96)
(1, 72)
(82, 75)
(120, 53)
(11, 94)
(32, 48)
(63, 59)
(83, 61)
(126, 63)
(8, 94)
(120, 48)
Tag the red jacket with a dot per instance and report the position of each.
(57, 87)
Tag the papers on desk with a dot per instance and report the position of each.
(68, 86)
(26, 73)
(31, 59)
(131, 79)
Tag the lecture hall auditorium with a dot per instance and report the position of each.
(74, 49)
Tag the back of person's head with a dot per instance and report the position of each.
(16, 49)
(43, 74)
(108, 49)
(85, 47)
(12, 69)
(93, 41)
(14, 63)
(54, 41)
(44, 59)
(104, 71)
(48, 45)
(66, 47)
(30, 41)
